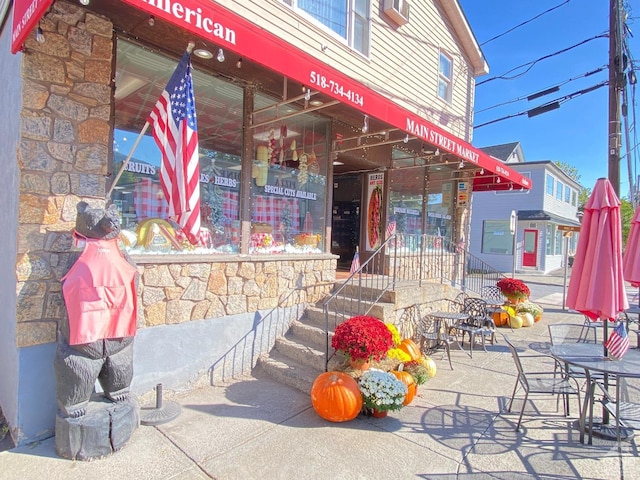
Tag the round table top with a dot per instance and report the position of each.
(590, 356)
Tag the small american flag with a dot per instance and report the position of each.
(176, 132)
(391, 228)
(355, 263)
(618, 342)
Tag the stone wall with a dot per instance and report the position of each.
(177, 292)
(65, 132)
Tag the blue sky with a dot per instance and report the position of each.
(577, 132)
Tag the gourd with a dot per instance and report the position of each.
(527, 319)
(336, 397)
(516, 322)
(412, 388)
(410, 347)
(430, 365)
(501, 318)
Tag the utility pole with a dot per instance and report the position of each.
(616, 81)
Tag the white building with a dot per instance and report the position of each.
(545, 216)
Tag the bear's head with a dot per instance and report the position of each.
(97, 223)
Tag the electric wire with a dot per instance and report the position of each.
(531, 64)
(524, 23)
(524, 97)
(559, 100)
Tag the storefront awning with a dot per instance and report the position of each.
(543, 216)
(221, 26)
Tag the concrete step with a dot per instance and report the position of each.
(288, 371)
(300, 352)
(310, 334)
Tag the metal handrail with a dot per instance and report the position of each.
(405, 257)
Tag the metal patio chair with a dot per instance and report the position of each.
(543, 382)
(478, 323)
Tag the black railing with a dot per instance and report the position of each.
(416, 258)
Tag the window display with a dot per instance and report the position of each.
(288, 188)
(288, 168)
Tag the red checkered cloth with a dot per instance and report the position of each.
(149, 200)
(204, 237)
(270, 210)
(231, 205)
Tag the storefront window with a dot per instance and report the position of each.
(141, 76)
(497, 237)
(289, 182)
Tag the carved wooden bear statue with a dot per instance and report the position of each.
(96, 342)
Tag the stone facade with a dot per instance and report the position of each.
(178, 292)
(66, 131)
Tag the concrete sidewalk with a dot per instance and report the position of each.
(457, 427)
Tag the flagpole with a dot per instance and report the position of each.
(126, 161)
(190, 47)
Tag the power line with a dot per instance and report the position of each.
(524, 23)
(532, 63)
(526, 97)
(552, 105)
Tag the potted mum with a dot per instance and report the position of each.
(362, 339)
(515, 290)
(381, 392)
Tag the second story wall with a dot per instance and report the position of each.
(403, 61)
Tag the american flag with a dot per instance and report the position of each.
(176, 132)
(391, 228)
(355, 263)
(618, 342)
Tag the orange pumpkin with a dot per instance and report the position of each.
(410, 347)
(336, 397)
(412, 388)
(501, 319)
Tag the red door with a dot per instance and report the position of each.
(530, 251)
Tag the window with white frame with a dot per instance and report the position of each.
(559, 190)
(558, 242)
(445, 76)
(567, 194)
(550, 182)
(574, 198)
(497, 237)
(350, 19)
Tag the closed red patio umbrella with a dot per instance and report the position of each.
(596, 287)
(631, 256)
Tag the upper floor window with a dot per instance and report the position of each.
(445, 75)
(574, 198)
(567, 194)
(350, 19)
(550, 184)
(559, 190)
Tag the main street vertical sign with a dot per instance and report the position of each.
(26, 13)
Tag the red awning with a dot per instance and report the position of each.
(217, 24)
(26, 13)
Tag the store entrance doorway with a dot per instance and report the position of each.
(345, 221)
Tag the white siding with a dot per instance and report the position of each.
(403, 63)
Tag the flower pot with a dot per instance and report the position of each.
(378, 413)
(515, 300)
(359, 364)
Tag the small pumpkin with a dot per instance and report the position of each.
(501, 318)
(407, 379)
(527, 319)
(411, 348)
(430, 365)
(336, 397)
(516, 322)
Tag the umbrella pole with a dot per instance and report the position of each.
(605, 380)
